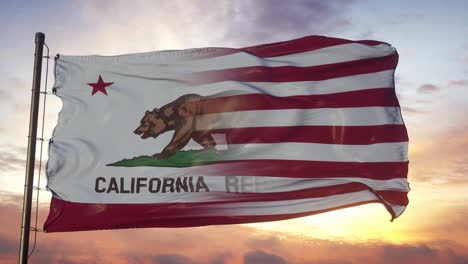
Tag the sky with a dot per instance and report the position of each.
(431, 38)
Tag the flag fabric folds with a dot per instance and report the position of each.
(224, 136)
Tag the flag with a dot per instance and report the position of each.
(224, 136)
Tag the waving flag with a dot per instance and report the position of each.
(223, 136)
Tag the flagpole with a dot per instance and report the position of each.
(31, 156)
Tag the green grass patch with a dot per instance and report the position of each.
(180, 159)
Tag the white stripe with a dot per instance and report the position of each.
(356, 116)
(266, 184)
(219, 187)
(147, 65)
(221, 192)
(381, 152)
(286, 206)
(398, 209)
(334, 54)
(383, 79)
(283, 206)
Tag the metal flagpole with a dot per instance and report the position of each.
(31, 156)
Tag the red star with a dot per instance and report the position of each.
(100, 86)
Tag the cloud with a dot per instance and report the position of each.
(13, 98)
(271, 243)
(411, 110)
(441, 159)
(222, 258)
(114, 25)
(10, 162)
(5, 97)
(275, 20)
(172, 259)
(428, 88)
(261, 257)
(7, 245)
(333, 261)
(10, 199)
(447, 224)
(13, 158)
(420, 254)
(459, 83)
(407, 254)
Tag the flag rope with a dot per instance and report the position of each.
(41, 139)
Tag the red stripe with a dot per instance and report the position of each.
(349, 135)
(306, 169)
(63, 215)
(293, 73)
(362, 98)
(394, 197)
(304, 44)
(282, 48)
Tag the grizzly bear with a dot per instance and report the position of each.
(180, 116)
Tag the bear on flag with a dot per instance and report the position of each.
(224, 136)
